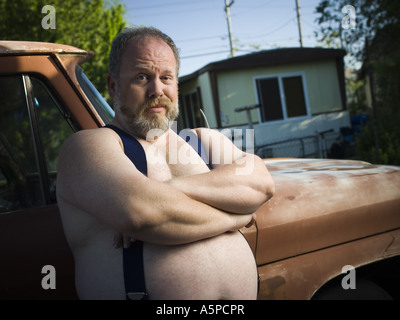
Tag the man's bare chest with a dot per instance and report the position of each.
(172, 157)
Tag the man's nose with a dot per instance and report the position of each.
(155, 88)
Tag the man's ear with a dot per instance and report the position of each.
(111, 85)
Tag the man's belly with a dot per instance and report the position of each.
(222, 267)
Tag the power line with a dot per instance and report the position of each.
(245, 50)
(163, 13)
(205, 54)
(152, 7)
(204, 38)
(273, 30)
(202, 49)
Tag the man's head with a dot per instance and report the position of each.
(143, 80)
(137, 33)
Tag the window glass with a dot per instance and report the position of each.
(97, 100)
(188, 112)
(20, 185)
(53, 129)
(191, 110)
(281, 97)
(294, 95)
(5, 204)
(196, 110)
(269, 95)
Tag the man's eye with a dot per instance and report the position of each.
(141, 77)
(167, 78)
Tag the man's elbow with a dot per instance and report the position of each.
(266, 191)
(254, 197)
(137, 218)
(269, 187)
(265, 187)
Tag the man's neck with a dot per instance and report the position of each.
(151, 137)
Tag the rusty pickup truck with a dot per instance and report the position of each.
(331, 231)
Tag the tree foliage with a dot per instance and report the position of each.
(86, 24)
(374, 42)
(371, 17)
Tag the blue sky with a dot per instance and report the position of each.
(199, 28)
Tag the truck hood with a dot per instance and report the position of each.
(321, 203)
(35, 47)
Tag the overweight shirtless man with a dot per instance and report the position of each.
(185, 216)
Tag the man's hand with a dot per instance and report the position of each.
(250, 224)
(122, 240)
(253, 221)
(125, 241)
(239, 182)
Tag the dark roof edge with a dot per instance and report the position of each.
(268, 58)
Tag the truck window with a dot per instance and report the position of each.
(97, 100)
(53, 127)
(33, 127)
(20, 185)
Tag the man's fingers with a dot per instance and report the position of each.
(252, 221)
(122, 240)
(117, 241)
(127, 241)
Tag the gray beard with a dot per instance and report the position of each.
(147, 129)
(144, 128)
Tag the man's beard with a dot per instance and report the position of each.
(143, 120)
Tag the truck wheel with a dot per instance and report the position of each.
(365, 290)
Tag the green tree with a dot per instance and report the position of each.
(378, 25)
(86, 24)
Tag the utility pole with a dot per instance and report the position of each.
(373, 97)
(299, 23)
(228, 18)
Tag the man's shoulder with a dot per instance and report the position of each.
(90, 139)
(207, 134)
(201, 131)
(89, 135)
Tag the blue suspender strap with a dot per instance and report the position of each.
(135, 287)
(193, 140)
(133, 149)
(134, 280)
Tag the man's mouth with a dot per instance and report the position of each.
(158, 108)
